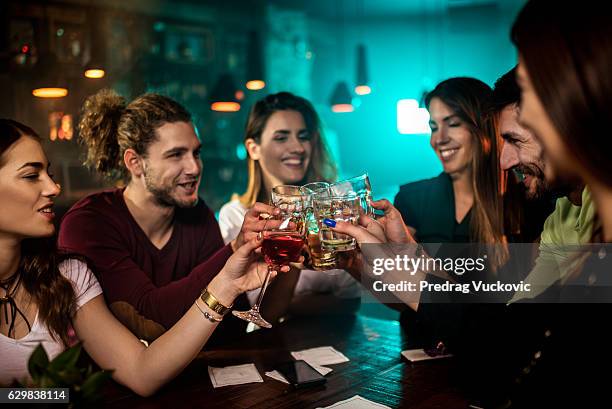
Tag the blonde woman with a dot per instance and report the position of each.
(285, 146)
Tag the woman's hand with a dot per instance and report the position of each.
(389, 228)
(368, 231)
(392, 223)
(254, 222)
(244, 270)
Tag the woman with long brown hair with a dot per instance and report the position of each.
(463, 203)
(44, 293)
(567, 92)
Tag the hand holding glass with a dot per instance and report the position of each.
(282, 244)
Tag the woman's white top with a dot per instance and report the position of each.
(15, 353)
(337, 282)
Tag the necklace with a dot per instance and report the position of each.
(8, 305)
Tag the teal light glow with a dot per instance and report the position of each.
(241, 152)
(412, 120)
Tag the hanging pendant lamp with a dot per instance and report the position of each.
(255, 70)
(49, 82)
(223, 96)
(341, 100)
(362, 87)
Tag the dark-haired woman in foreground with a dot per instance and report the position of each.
(565, 55)
(43, 293)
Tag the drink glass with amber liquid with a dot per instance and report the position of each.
(321, 260)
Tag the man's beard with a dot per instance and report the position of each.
(163, 194)
(539, 188)
(542, 188)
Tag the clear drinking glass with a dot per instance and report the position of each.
(360, 185)
(340, 208)
(281, 245)
(322, 260)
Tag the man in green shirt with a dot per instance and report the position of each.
(570, 225)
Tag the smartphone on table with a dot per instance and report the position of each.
(300, 374)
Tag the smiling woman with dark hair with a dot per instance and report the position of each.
(462, 204)
(44, 293)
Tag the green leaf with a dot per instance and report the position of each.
(47, 382)
(66, 359)
(92, 386)
(38, 362)
(70, 376)
(52, 379)
(88, 372)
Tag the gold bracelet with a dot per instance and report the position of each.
(208, 316)
(213, 303)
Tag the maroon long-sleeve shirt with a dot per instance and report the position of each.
(145, 286)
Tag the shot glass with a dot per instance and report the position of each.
(340, 208)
